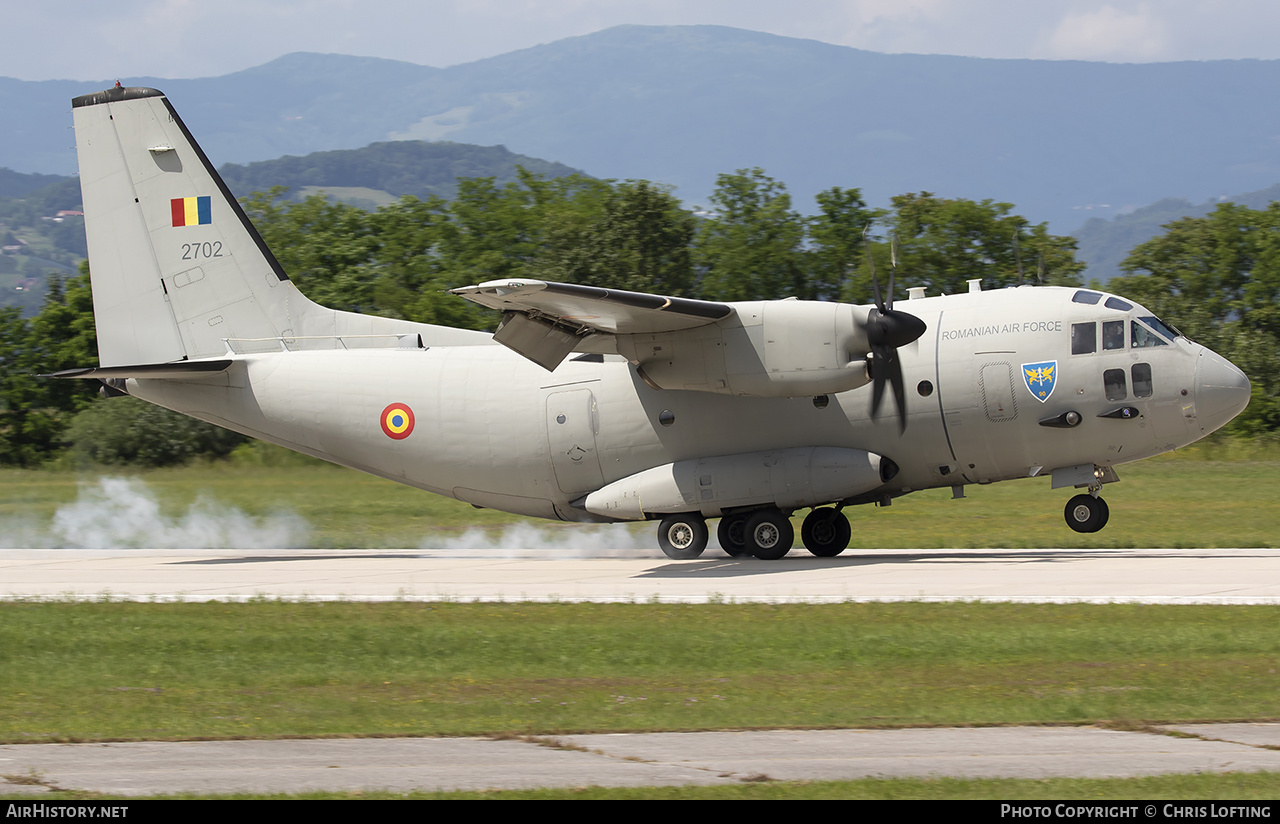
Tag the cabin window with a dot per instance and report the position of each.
(1113, 334)
(1084, 338)
(1090, 298)
(1144, 337)
(1113, 382)
(1141, 380)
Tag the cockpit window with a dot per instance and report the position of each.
(1116, 303)
(1113, 334)
(1143, 337)
(1090, 298)
(1160, 326)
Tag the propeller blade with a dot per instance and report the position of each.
(893, 271)
(899, 393)
(877, 383)
(871, 266)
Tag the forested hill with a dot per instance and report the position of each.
(37, 241)
(1104, 244)
(17, 184)
(406, 167)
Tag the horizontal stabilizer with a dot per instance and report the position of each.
(178, 370)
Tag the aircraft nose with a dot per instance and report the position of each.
(1222, 391)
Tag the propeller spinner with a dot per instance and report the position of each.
(888, 329)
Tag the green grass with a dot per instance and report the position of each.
(113, 671)
(1179, 501)
(116, 670)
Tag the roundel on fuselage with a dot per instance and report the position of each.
(397, 421)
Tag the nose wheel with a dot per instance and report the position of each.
(1086, 513)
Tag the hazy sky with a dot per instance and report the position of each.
(101, 39)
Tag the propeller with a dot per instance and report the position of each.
(888, 329)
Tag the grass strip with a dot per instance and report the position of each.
(145, 671)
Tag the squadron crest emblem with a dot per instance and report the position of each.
(1040, 378)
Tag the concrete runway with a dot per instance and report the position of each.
(1224, 576)
(629, 760)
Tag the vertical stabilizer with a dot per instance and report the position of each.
(177, 268)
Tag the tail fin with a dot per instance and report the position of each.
(176, 266)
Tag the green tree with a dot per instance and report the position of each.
(13, 342)
(326, 248)
(412, 280)
(130, 431)
(836, 246)
(503, 232)
(1217, 278)
(945, 243)
(752, 247)
(34, 411)
(638, 237)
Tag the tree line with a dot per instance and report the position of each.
(1215, 277)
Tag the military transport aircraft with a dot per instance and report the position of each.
(591, 404)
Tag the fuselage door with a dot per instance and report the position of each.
(573, 419)
(997, 392)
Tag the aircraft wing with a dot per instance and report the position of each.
(592, 309)
(545, 321)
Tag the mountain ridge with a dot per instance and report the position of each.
(680, 105)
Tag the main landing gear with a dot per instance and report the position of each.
(766, 534)
(683, 537)
(1087, 513)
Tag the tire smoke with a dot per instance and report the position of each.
(122, 513)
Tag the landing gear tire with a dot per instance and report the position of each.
(732, 533)
(1085, 513)
(826, 532)
(682, 537)
(769, 534)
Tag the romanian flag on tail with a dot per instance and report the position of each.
(191, 211)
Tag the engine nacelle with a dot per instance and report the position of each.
(771, 349)
(786, 478)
